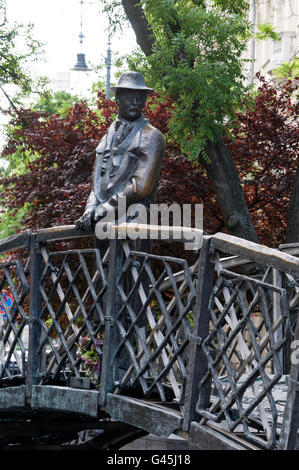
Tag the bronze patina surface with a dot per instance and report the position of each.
(128, 158)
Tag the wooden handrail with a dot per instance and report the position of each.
(225, 243)
(260, 254)
(15, 242)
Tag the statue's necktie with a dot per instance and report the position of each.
(122, 131)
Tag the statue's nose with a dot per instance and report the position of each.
(134, 100)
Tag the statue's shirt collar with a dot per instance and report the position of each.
(120, 120)
(125, 131)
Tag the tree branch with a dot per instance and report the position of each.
(144, 34)
(8, 98)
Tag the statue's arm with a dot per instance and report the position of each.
(91, 201)
(148, 171)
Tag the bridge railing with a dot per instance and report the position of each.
(14, 285)
(243, 331)
(207, 335)
(72, 308)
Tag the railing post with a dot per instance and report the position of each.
(278, 335)
(111, 336)
(290, 426)
(198, 362)
(34, 358)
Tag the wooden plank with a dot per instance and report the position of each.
(13, 397)
(291, 248)
(260, 254)
(14, 242)
(65, 399)
(294, 251)
(233, 261)
(154, 232)
(154, 419)
(60, 232)
(206, 438)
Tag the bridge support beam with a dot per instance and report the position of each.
(109, 366)
(198, 365)
(66, 399)
(34, 316)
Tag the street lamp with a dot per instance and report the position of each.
(81, 64)
(108, 65)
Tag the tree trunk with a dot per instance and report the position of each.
(221, 169)
(226, 183)
(292, 235)
(144, 36)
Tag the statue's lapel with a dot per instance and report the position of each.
(102, 186)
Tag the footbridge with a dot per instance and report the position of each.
(102, 342)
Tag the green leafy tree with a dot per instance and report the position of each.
(266, 31)
(55, 102)
(288, 70)
(191, 50)
(17, 46)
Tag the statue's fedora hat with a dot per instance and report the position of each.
(132, 81)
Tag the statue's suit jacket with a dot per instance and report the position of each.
(129, 169)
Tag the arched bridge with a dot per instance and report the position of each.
(115, 337)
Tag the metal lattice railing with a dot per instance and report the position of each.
(73, 285)
(209, 338)
(154, 323)
(244, 329)
(244, 349)
(14, 319)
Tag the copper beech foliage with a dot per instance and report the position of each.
(264, 143)
(265, 147)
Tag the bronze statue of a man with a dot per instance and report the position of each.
(128, 158)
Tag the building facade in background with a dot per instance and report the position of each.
(267, 55)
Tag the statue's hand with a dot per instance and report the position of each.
(105, 210)
(87, 220)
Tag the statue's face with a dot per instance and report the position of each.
(130, 103)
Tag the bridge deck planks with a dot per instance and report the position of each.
(150, 417)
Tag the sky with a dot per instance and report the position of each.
(57, 24)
